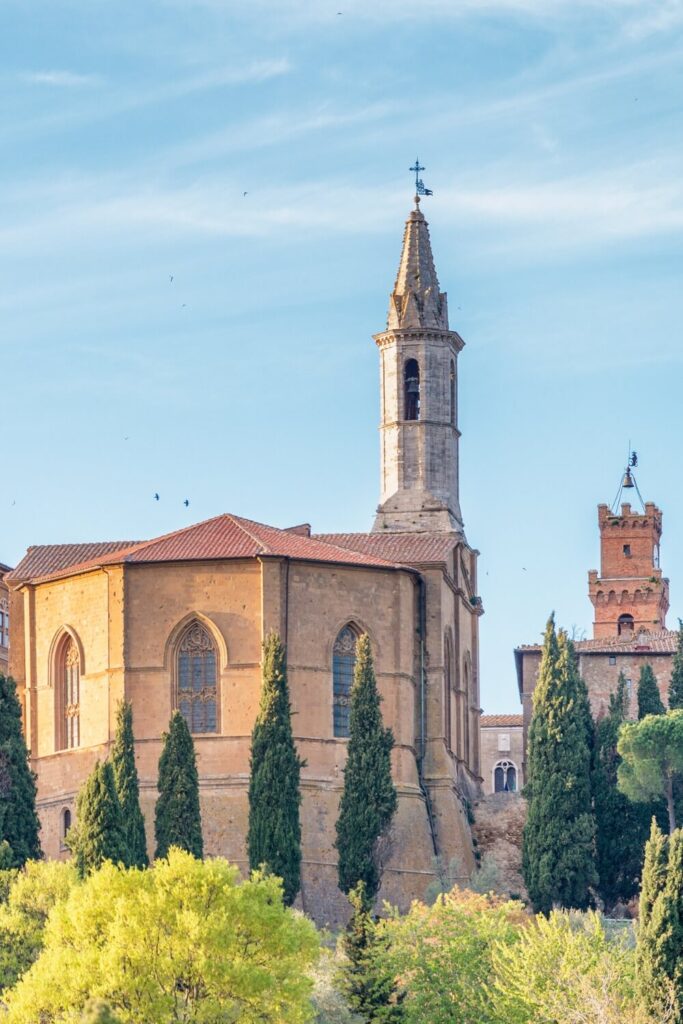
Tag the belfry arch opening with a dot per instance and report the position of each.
(625, 625)
(411, 389)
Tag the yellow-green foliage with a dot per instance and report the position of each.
(442, 955)
(566, 969)
(33, 893)
(183, 941)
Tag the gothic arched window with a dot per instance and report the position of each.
(505, 777)
(343, 667)
(68, 695)
(447, 683)
(411, 390)
(196, 679)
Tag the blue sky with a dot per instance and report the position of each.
(550, 130)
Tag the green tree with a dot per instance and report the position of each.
(676, 681)
(565, 968)
(274, 838)
(128, 788)
(98, 834)
(443, 955)
(369, 800)
(652, 759)
(370, 988)
(649, 701)
(659, 954)
(99, 1012)
(178, 819)
(559, 834)
(32, 894)
(185, 942)
(19, 824)
(621, 825)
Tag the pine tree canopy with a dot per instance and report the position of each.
(98, 835)
(621, 826)
(649, 700)
(19, 824)
(676, 681)
(369, 800)
(127, 787)
(178, 818)
(274, 838)
(559, 835)
(652, 759)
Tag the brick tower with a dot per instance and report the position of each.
(630, 594)
(419, 414)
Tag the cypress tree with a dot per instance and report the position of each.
(676, 681)
(274, 838)
(98, 834)
(127, 787)
(559, 835)
(621, 825)
(178, 819)
(19, 824)
(370, 991)
(649, 701)
(659, 952)
(368, 801)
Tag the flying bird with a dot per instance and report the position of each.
(170, 278)
(186, 503)
(156, 497)
(245, 194)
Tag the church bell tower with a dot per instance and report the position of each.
(419, 388)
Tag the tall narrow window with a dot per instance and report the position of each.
(197, 689)
(343, 666)
(452, 384)
(411, 390)
(447, 714)
(70, 697)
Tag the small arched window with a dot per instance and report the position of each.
(452, 387)
(68, 695)
(411, 390)
(66, 825)
(505, 777)
(196, 675)
(625, 625)
(343, 667)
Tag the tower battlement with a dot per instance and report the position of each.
(629, 593)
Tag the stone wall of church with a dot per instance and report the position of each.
(127, 627)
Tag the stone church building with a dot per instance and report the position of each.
(630, 598)
(178, 622)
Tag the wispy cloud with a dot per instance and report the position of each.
(61, 79)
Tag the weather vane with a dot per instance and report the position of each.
(420, 189)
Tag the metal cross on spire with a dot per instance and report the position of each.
(420, 189)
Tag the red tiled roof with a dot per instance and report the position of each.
(660, 641)
(492, 721)
(41, 559)
(224, 537)
(409, 548)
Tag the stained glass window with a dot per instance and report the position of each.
(197, 692)
(343, 665)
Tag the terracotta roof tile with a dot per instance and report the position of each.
(660, 641)
(41, 559)
(409, 548)
(493, 721)
(223, 537)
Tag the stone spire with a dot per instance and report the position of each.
(416, 300)
(418, 402)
